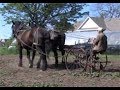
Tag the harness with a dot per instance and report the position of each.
(36, 43)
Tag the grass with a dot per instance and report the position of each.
(18, 84)
(35, 84)
(38, 84)
(113, 57)
(2, 84)
(4, 72)
(6, 51)
(12, 51)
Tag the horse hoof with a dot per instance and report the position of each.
(38, 67)
(63, 62)
(30, 66)
(56, 65)
(43, 69)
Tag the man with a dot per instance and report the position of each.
(100, 43)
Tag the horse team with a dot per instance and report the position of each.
(38, 39)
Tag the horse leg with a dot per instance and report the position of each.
(33, 56)
(63, 53)
(56, 57)
(47, 50)
(20, 55)
(61, 48)
(38, 63)
(28, 57)
(42, 62)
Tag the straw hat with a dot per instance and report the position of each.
(101, 29)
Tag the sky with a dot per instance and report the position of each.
(5, 29)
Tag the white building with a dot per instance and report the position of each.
(85, 30)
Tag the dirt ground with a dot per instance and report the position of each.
(13, 76)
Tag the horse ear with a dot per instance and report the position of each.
(13, 22)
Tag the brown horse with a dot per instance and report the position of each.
(30, 40)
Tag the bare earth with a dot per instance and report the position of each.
(13, 76)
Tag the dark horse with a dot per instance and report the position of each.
(30, 40)
(57, 41)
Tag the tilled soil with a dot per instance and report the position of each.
(13, 76)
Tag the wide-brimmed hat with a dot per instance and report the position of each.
(101, 29)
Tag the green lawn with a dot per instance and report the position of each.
(113, 57)
(5, 51)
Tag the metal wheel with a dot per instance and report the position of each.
(97, 64)
(75, 60)
(89, 65)
(102, 60)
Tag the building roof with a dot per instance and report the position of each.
(110, 24)
(99, 21)
(113, 24)
(77, 24)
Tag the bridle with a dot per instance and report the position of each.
(16, 31)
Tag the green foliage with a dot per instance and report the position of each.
(113, 57)
(42, 14)
(8, 42)
(63, 25)
(6, 51)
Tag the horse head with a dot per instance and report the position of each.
(16, 27)
(54, 34)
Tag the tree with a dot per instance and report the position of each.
(58, 15)
(108, 10)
